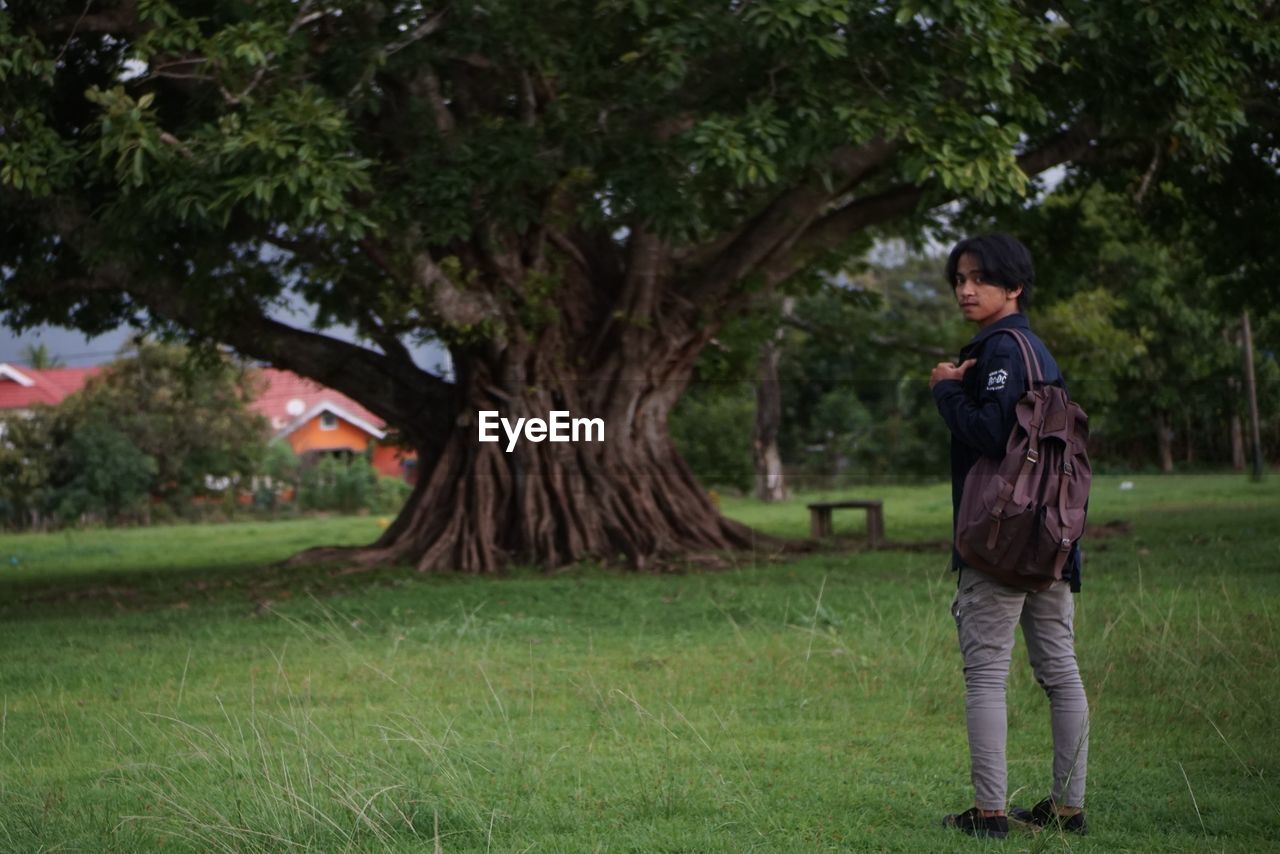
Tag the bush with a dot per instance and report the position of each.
(354, 483)
(389, 494)
(712, 427)
(348, 487)
(316, 485)
(100, 473)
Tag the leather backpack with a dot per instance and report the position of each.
(1021, 515)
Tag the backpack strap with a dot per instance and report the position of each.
(1068, 470)
(1023, 483)
(1035, 375)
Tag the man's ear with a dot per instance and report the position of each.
(1014, 293)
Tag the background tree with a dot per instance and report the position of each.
(190, 415)
(27, 450)
(1143, 322)
(38, 356)
(156, 424)
(714, 423)
(98, 474)
(855, 396)
(572, 198)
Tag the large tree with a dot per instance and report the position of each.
(570, 196)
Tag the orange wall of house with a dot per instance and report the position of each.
(311, 437)
(386, 459)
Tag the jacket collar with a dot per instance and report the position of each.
(1017, 320)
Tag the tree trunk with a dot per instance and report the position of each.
(1188, 439)
(1251, 392)
(1237, 443)
(769, 479)
(1164, 442)
(478, 507)
(1235, 425)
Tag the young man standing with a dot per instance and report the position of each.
(992, 276)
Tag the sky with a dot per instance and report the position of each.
(74, 350)
(69, 346)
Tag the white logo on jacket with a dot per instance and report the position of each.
(997, 379)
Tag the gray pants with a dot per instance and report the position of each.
(986, 612)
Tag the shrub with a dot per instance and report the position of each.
(100, 474)
(712, 427)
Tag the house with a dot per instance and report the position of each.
(315, 420)
(318, 421)
(22, 388)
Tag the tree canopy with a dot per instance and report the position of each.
(570, 196)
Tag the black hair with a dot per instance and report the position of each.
(1005, 261)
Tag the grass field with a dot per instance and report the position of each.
(167, 689)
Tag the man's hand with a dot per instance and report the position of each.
(948, 371)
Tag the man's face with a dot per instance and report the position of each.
(981, 301)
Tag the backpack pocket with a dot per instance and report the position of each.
(990, 526)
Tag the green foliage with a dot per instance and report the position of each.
(28, 448)
(346, 486)
(279, 471)
(316, 487)
(280, 463)
(38, 356)
(189, 414)
(854, 369)
(246, 148)
(159, 423)
(59, 468)
(712, 427)
(387, 494)
(1141, 323)
(99, 473)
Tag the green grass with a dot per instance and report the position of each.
(167, 687)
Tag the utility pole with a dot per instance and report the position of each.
(1251, 389)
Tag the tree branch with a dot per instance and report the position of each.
(122, 20)
(528, 100)
(829, 231)
(390, 385)
(453, 305)
(568, 247)
(418, 33)
(782, 222)
(385, 338)
(426, 85)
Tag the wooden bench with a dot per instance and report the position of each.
(820, 519)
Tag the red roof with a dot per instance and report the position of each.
(285, 396)
(49, 385)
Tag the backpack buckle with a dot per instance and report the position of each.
(1068, 468)
(1066, 544)
(1033, 456)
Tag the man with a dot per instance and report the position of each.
(992, 277)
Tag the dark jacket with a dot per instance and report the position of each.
(979, 411)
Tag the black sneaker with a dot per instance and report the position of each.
(971, 822)
(1044, 815)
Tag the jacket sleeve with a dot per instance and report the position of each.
(984, 422)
